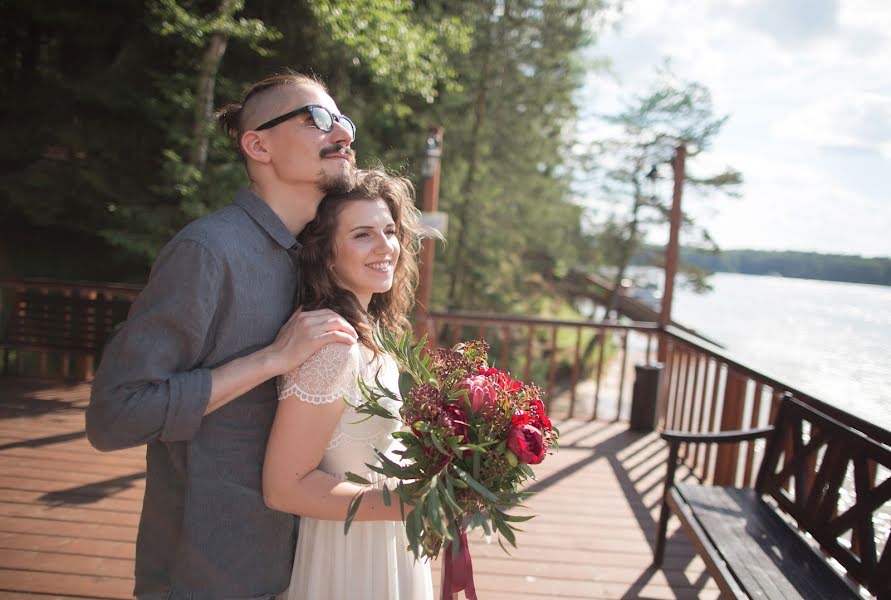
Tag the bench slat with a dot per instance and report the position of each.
(765, 554)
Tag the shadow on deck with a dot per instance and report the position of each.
(68, 514)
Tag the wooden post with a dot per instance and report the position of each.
(431, 169)
(727, 455)
(672, 250)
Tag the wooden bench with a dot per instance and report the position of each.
(807, 528)
(56, 320)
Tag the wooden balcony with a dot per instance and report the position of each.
(68, 514)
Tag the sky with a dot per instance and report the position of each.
(807, 87)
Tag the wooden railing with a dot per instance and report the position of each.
(51, 328)
(705, 390)
(558, 348)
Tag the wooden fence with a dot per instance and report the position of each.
(702, 387)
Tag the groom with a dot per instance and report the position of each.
(191, 372)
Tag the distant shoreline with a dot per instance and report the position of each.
(795, 265)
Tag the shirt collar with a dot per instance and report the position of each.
(266, 218)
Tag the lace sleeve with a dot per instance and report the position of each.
(328, 375)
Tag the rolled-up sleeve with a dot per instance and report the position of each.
(148, 385)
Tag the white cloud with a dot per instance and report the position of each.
(807, 85)
(851, 120)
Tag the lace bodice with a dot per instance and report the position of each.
(332, 375)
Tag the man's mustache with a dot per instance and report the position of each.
(338, 149)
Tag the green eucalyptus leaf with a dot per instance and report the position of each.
(475, 485)
(353, 478)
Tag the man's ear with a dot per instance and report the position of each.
(253, 145)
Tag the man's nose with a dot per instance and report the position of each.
(342, 134)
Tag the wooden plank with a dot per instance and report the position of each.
(67, 545)
(81, 586)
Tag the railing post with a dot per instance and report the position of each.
(727, 456)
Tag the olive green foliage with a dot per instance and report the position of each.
(101, 99)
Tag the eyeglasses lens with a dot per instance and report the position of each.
(322, 118)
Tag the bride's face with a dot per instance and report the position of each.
(366, 248)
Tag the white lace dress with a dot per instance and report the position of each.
(371, 562)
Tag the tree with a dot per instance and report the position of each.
(673, 113)
(108, 135)
(210, 34)
(506, 182)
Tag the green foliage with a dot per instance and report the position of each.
(100, 127)
(806, 265)
(179, 18)
(399, 51)
(506, 182)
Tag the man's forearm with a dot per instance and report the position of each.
(240, 375)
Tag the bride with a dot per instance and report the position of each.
(358, 258)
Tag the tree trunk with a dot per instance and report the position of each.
(207, 78)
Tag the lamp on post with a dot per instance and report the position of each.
(430, 169)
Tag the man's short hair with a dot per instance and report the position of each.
(233, 117)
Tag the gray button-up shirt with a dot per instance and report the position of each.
(222, 288)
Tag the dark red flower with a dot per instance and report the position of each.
(539, 416)
(520, 418)
(527, 444)
(456, 421)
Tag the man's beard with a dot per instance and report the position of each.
(339, 183)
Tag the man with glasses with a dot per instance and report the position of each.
(191, 372)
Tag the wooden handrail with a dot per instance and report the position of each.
(870, 429)
(122, 289)
(502, 319)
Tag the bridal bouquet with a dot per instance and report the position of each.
(470, 434)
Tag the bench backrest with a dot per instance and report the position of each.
(833, 481)
(54, 321)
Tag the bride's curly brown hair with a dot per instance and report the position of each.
(319, 287)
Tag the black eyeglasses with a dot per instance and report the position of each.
(322, 119)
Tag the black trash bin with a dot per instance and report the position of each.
(645, 396)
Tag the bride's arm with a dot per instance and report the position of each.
(291, 479)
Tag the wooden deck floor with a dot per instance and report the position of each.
(68, 514)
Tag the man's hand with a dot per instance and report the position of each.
(304, 334)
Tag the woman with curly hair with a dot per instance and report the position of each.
(358, 258)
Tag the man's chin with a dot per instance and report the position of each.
(339, 183)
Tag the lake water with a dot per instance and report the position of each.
(831, 340)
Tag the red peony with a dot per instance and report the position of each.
(527, 444)
(520, 418)
(480, 391)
